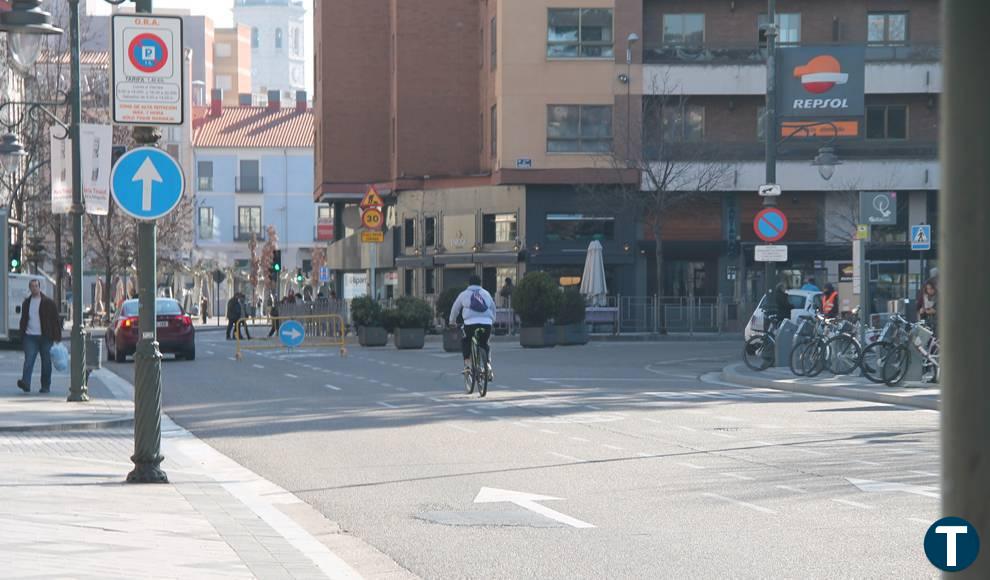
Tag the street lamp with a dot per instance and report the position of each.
(826, 160)
(11, 154)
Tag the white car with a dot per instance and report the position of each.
(803, 303)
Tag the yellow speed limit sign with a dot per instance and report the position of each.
(371, 218)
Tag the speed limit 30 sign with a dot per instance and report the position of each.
(371, 218)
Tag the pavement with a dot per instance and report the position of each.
(917, 395)
(67, 511)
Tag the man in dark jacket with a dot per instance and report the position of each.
(233, 313)
(40, 329)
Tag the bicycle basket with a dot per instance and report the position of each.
(922, 337)
(806, 328)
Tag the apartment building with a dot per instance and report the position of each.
(254, 170)
(487, 137)
(232, 64)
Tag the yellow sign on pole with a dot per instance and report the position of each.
(863, 232)
(372, 237)
(371, 199)
(371, 218)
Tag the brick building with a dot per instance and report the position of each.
(486, 135)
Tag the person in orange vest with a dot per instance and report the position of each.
(830, 302)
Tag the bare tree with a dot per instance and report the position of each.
(674, 170)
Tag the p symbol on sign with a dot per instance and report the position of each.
(147, 53)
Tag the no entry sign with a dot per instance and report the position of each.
(147, 70)
(770, 225)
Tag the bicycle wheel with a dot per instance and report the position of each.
(758, 352)
(482, 371)
(469, 374)
(873, 359)
(797, 356)
(842, 354)
(813, 361)
(896, 364)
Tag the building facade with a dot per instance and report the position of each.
(232, 65)
(498, 140)
(278, 57)
(254, 170)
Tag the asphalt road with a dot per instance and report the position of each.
(658, 470)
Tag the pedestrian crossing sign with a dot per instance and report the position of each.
(921, 238)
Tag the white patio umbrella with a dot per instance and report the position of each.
(593, 280)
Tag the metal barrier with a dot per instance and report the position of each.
(321, 331)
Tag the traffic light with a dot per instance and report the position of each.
(299, 277)
(15, 258)
(276, 268)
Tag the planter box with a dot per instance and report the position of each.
(537, 337)
(372, 336)
(452, 340)
(408, 338)
(570, 334)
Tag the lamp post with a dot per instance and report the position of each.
(631, 40)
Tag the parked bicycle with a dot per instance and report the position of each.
(826, 344)
(759, 352)
(918, 338)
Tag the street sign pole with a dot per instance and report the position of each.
(147, 456)
(77, 375)
(770, 132)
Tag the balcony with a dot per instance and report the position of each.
(249, 184)
(247, 234)
(750, 53)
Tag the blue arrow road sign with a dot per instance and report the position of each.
(921, 238)
(147, 183)
(291, 333)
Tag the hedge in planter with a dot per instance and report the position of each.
(366, 315)
(451, 336)
(536, 299)
(570, 319)
(408, 322)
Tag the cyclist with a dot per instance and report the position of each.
(477, 308)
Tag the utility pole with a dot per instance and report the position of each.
(147, 359)
(77, 377)
(770, 126)
(964, 237)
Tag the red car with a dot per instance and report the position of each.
(176, 334)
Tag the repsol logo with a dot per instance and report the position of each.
(821, 103)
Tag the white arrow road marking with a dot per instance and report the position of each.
(147, 174)
(528, 501)
(870, 485)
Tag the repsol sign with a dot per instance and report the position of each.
(821, 81)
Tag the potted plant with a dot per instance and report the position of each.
(408, 322)
(366, 315)
(451, 336)
(570, 319)
(536, 300)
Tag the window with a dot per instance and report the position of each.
(324, 213)
(222, 50)
(248, 222)
(494, 130)
(255, 37)
(204, 171)
(684, 29)
(206, 223)
(429, 281)
(410, 279)
(886, 27)
(224, 83)
(886, 122)
(409, 231)
(579, 129)
(683, 123)
(278, 38)
(498, 227)
(430, 232)
(579, 33)
(249, 180)
(579, 227)
(296, 41)
(493, 41)
(789, 31)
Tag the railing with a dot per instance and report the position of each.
(246, 235)
(249, 184)
(751, 53)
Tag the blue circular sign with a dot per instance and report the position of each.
(147, 183)
(147, 52)
(952, 544)
(770, 224)
(291, 333)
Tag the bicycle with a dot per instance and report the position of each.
(479, 373)
(759, 352)
(876, 355)
(924, 343)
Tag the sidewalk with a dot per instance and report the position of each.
(67, 512)
(918, 395)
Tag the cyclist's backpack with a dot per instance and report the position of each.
(478, 303)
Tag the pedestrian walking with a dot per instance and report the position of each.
(204, 305)
(245, 314)
(233, 314)
(40, 329)
(927, 304)
(779, 304)
(830, 302)
(506, 293)
(273, 315)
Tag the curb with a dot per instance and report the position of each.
(79, 426)
(700, 337)
(730, 374)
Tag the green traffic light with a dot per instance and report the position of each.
(277, 267)
(15, 263)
